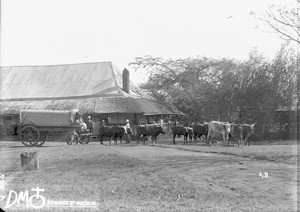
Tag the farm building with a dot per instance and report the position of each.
(98, 89)
(282, 123)
(288, 122)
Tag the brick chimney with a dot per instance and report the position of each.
(126, 81)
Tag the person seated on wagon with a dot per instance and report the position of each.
(80, 122)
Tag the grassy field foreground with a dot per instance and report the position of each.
(279, 153)
(116, 182)
(124, 182)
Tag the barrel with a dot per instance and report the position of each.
(29, 161)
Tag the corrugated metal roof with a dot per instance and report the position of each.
(89, 87)
(59, 81)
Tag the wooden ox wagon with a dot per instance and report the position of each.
(35, 125)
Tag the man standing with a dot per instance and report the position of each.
(127, 131)
(161, 121)
(90, 125)
(102, 124)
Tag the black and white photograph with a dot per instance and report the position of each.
(147, 106)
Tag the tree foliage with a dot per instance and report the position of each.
(284, 20)
(206, 89)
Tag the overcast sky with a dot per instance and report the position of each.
(42, 32)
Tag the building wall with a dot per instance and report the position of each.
(134, 118)
(8, 125)
(117, 118)
(2, 127)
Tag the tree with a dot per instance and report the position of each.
(182, 82)
(206, 89)
(284, 20)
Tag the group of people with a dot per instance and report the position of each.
(84, 127)
(89, 127)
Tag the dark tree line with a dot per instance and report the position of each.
(206, 89)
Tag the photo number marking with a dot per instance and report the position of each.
(263, 174)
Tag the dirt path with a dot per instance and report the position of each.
(236, 177)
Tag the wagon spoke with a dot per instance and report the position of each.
(31, 131)
(84, 139)
(25, 131)
(30, 135)
(43, 138)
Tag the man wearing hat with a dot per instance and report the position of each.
(127, 131)
(90, 124)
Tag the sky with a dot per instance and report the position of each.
(49, 32)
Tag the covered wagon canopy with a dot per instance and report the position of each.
(90, 87)
(41, 118)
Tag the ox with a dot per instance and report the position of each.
(152, 131)
(220, 128)
(180, 130)
(242, 132)
(111, 131)
(200, 130)
(189, 134)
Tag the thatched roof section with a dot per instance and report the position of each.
(89, 87)
(93, 105)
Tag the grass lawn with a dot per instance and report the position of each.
(118, 182)
(280, 151)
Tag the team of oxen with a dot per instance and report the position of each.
(240, 132)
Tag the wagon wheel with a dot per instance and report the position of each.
(84, 139)
(72, 138)
(29, 135)
(43, 138)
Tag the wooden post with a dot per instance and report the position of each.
(29, 161)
